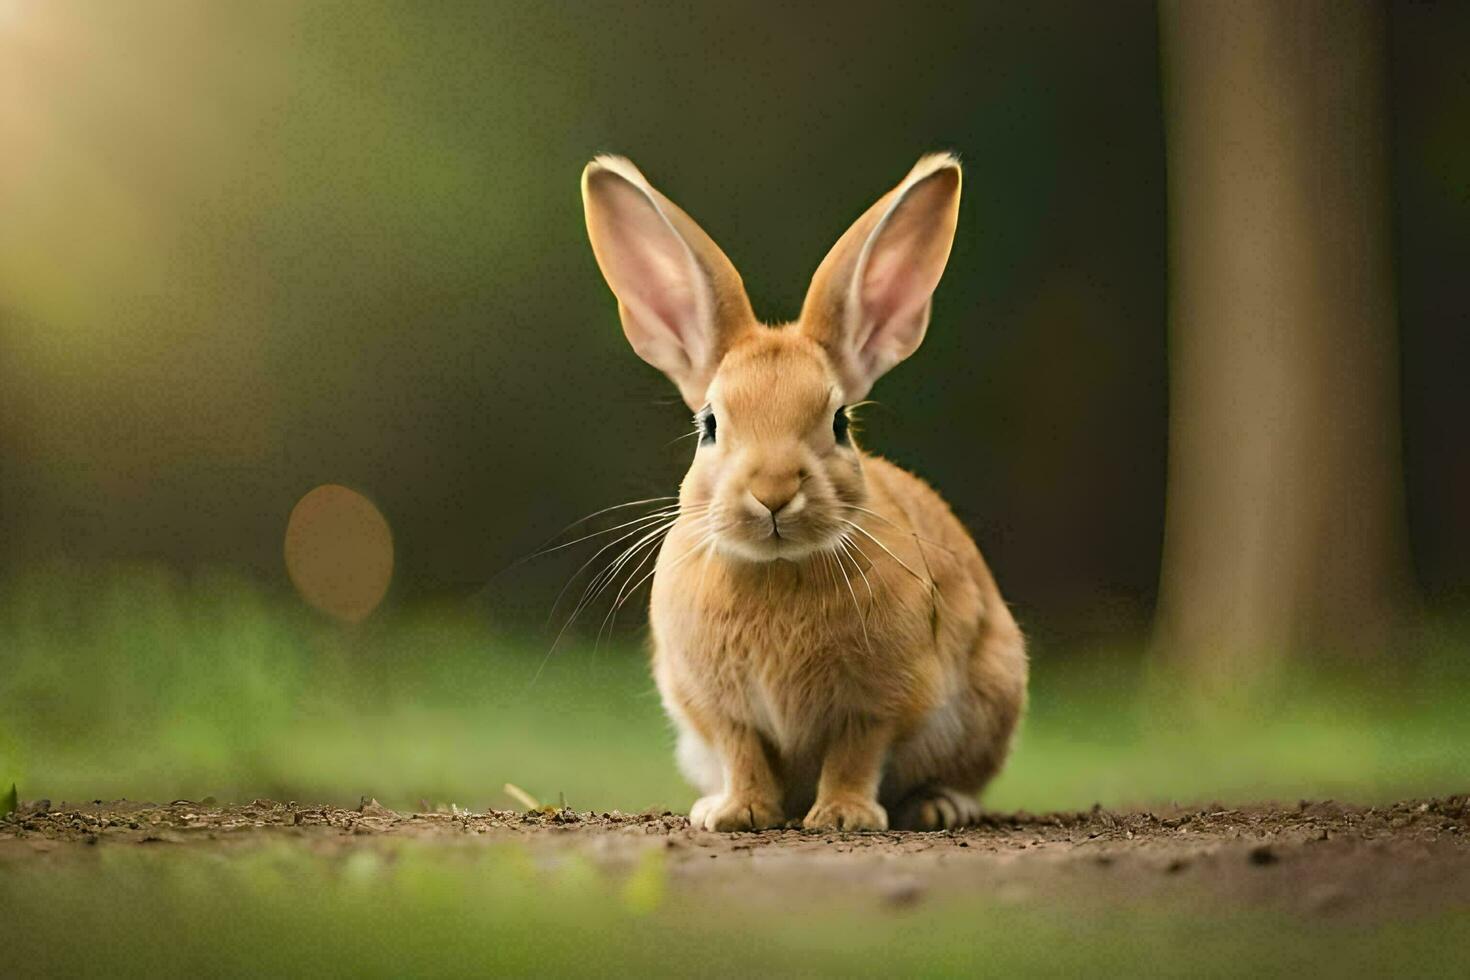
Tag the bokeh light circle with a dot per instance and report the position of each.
(339, 552)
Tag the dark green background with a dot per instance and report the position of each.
(254, 249)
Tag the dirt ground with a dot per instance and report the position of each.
(1313, 857)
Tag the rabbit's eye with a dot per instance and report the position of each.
(705, 424)
(839, 426)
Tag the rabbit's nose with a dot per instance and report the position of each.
(773, 502)
(775, 491)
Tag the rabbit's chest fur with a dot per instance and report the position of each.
(795, 649)
(788, 661)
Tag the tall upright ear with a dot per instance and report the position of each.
(681, 300)
(869, 301)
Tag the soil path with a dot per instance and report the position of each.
(1313, 857)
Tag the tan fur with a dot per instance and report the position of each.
(851, 684)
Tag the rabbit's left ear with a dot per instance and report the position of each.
(869, 301)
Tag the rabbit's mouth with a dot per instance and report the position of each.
(775, 538)
(774, 549)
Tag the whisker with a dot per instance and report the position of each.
(848, 543)
(604, 578)
(623, 592)
(830, 563)
(648, 520)
(864, 531)
(899, 527)
(709, 537)
(877, 569)
(608, 510)
(595, 588)
(862, 620)
(935, 597)
(653, 515)
(631, 503)
(545, 547)
(643, 522)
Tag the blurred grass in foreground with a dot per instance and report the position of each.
(419, 909)
(148, 686)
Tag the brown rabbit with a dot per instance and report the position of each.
(827, 638)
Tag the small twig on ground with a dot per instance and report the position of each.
(522, 797)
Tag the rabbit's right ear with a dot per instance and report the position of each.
(681, 300)
(869, 301)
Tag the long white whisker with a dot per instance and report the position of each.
(589, 595)
(862, 620)
(623, 592)
(847, 543)
(827, 559)
(608, 574)
(864, 531)
(878, 569)
(643, 524)
(608, 510)
(708, 537)
(668, 511)
(686, 435)
(546, 547)
(652, 515)
(898, 527)
(934, 596)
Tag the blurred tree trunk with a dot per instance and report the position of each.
(1285, 519)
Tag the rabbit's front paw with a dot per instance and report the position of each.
(722, 814)
(847, 813)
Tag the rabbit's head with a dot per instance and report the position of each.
(776, 472)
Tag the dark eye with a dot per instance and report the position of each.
(705, 423)
(839, 426)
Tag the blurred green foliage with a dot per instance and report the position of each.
(248, 250)
(251, 250)
(156, 686)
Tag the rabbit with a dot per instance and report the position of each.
(827, 640)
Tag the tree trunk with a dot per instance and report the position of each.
(1285, 519)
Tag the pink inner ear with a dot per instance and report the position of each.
(648, 266)
(897, 284)
(892, 291)
(904, 265)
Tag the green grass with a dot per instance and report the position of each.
(145, 685)
(148, 686)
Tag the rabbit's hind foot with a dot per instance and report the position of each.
(936, 808)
